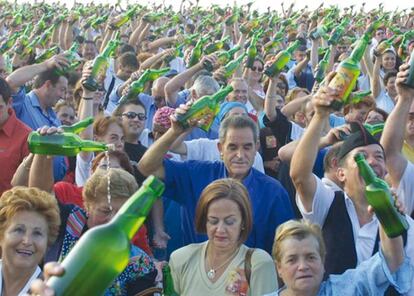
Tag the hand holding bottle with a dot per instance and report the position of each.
(324, 97)
(39, 287)
(59, 61)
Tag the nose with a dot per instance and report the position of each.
(220, 226)
(303, 265)
(27, 238)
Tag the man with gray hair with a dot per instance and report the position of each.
(238, 143)
(203, 85)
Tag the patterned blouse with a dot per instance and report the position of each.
(137, 276)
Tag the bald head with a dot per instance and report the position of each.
(158, 92)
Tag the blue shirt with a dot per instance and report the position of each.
(184, 182)
(371, 277)
(150, 108)
(28, 110)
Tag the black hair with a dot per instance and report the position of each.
(5, 90)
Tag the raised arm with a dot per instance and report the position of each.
(270, 99)
(305, 154)
(374, 78)
(174, 85)
(24, 74)
(393, 135)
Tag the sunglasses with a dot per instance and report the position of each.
(259, 69)
(132, 115)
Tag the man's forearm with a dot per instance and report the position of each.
(25, 74)
(152, 160)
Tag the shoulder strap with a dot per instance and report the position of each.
(248, 264)
(111, 87)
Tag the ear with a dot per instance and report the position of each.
(340, 174)
(220, 147)
(194, 94)
(279, 273)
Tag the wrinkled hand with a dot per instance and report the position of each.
(336, 134)
(86, 72)
(49, 130)
(59, 61)
(39, 287)
(219, 75)
(177, 127)
(160, 239)
(404, 92)
(210, 58)
(323, 99)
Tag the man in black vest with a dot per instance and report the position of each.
(350, 230)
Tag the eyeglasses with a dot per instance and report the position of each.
(132, 115)
(259, 69)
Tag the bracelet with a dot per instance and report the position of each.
(87, 99)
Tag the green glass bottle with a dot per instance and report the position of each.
(224, 57)
(103, 252)
(23, 40)
(8, 42)
(233, 18)
(167, 282)
(77, 127)
(374, 129)
(47, 54)
(100, 64)
(206, 105)
(252, 51)
(216, 45)
(231, 66)
(321, 30)
(46, 35)
(347, 73)
(196, 53)
(138, 85)
(66, 144)
(409, 82)
(125, 18)
(281, 59)
(322, 66)
(384, 45)
(100, 20)
(378, 195)
(153, 17)
(338, 32)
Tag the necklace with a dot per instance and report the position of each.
(211, 274)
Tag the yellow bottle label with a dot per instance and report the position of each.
(207, 114)
(344, 81)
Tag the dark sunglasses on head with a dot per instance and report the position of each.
(132, 115)
(259, 69)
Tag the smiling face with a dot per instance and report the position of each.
(239, 93)
(24, 241)
(238, 151)
(133, 120)
(114, 135)
(300, 266)
(224, 222)
(388, 61)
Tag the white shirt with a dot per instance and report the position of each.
(206, 149)
(405, 190)
(364, 236)
(26, 288)
(384, 101)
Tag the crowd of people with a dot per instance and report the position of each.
(262, 194)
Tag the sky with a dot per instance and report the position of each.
(263, 4)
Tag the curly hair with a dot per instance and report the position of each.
(122, 185)
(21, 198)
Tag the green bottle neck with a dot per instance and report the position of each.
(78, 127)
(327, 55)
(219, 96)
(365, 170)
(134, 211)
(359, 50)
(91, 146)
(232, 51)
(293, 47)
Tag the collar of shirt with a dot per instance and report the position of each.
(246, 181)
(10, 124)
(50, 114)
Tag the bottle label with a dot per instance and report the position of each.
(343, 81)
(205, 113)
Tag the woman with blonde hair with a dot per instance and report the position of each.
(299, 254)
(29, 224)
